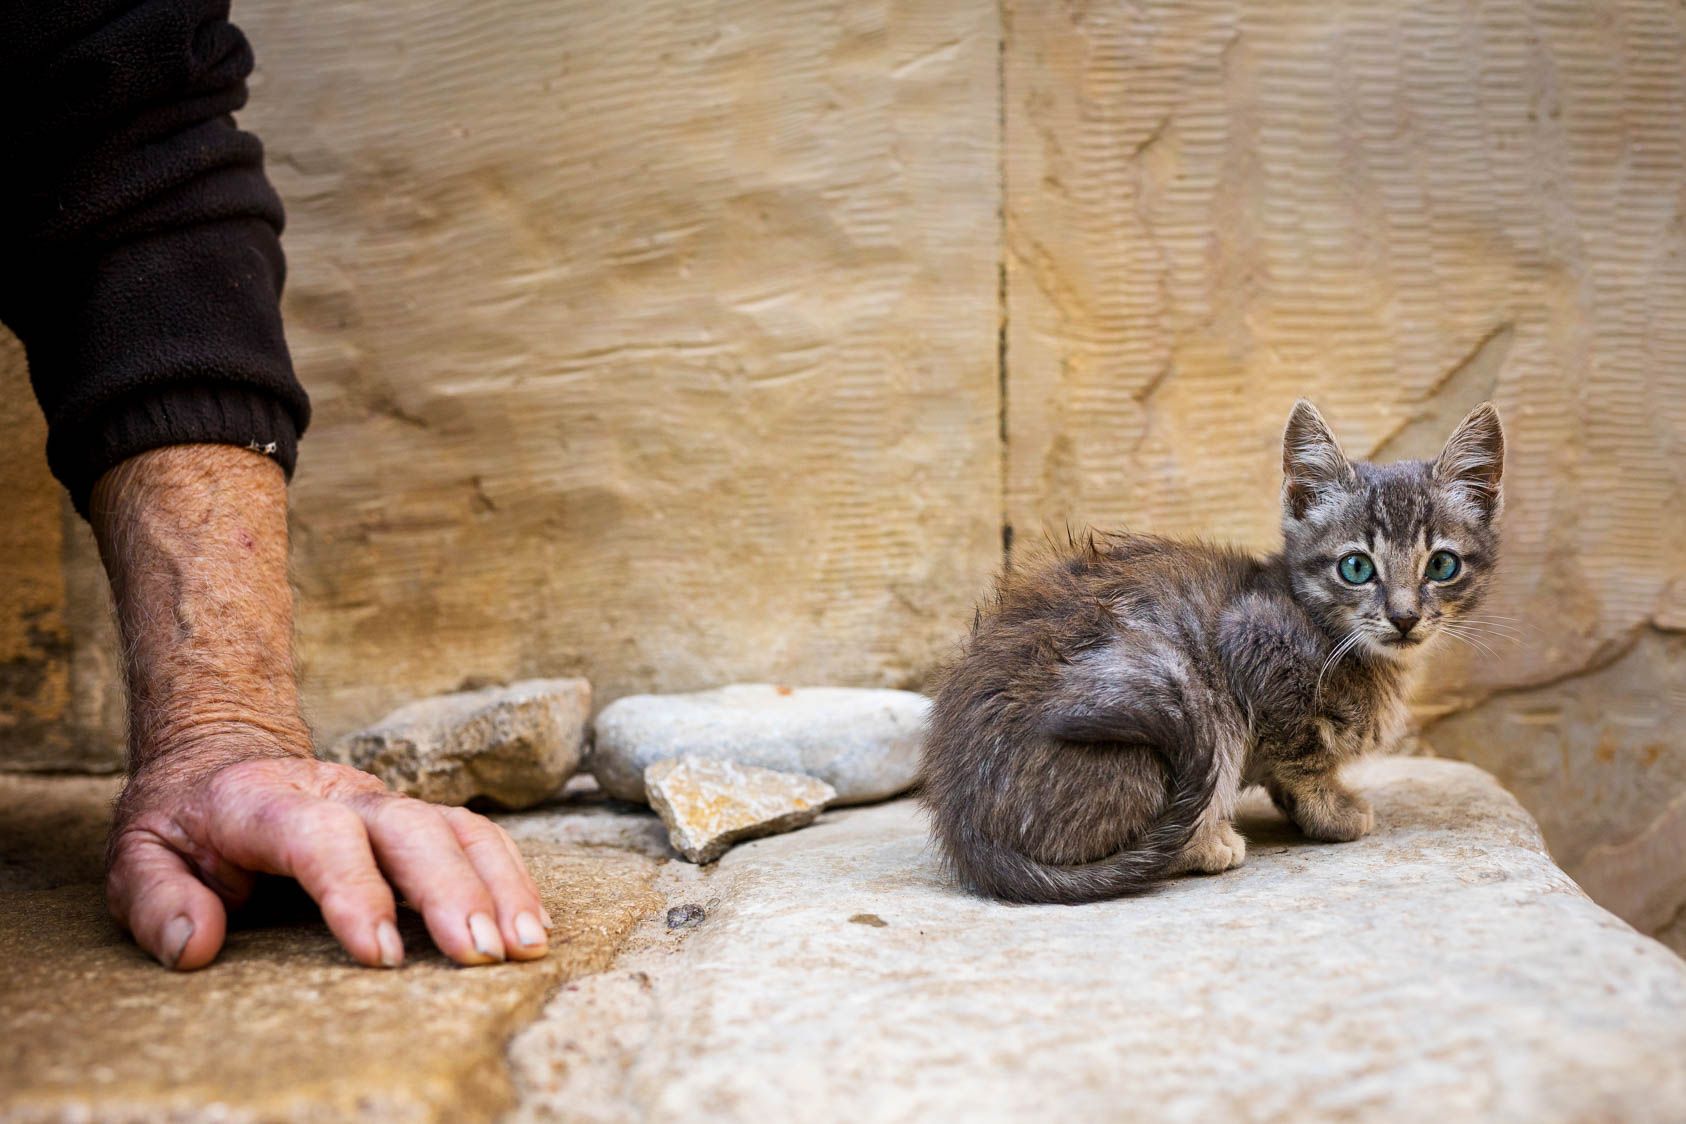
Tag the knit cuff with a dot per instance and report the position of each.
(183, 414)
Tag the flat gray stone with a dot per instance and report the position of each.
(709, 804)
(514, 745)
(863, 742)
(1442, 968)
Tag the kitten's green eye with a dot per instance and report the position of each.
(1357, 568)
(1443, 566)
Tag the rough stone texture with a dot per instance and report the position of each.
(61, 703)
(1441, 969)
(863, 743)
(34, 668)
(708, 805)
(1398, 210)
(650, 341)
(1601, 757)
(283, 1027)
(514, 745)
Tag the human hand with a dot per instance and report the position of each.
(194, 827)
(222, 784)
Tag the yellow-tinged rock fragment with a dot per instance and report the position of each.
(710, 804)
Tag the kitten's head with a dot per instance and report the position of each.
(1390, 553)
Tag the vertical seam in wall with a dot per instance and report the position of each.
(1002, 446)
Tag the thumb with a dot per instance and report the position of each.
(155, 895)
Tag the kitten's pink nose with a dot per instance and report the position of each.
(1404, 621)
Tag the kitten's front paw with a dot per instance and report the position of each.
(1213, 851)
(1333, 817)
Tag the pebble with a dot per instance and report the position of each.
(709, 805)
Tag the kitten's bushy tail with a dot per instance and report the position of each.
(1191, 754)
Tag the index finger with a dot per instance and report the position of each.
(324, 846)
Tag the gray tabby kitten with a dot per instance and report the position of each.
(1111, 703)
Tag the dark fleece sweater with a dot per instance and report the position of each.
(140, 260)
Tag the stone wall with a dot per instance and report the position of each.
(672, 343)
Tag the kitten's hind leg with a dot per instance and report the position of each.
(1214, 849)
(1217, 846)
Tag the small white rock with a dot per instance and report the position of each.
(514, 745)
(863, 742)
(708, 805)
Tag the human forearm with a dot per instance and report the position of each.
(222, 783)
(194, 538)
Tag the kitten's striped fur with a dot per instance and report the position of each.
(1113, 700)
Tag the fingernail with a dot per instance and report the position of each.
(392, 949)
(485, 934)
(527, 928)
(544, 915)
(176, 935)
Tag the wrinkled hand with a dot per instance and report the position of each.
(194, 828)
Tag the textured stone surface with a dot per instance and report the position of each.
(650, 341)
(283, 1027)
(1399, 210)
(864, 743)
(514, 745)
(34, 642)
(708, 804)
(1441, 969)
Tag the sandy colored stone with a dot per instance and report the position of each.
(34, 642)
(283, 1027)
(1601, 758)
(864, 743)
(1398, 210)
(515, 745)
(650, 341)
(708, 805)
(1645, 877)
(1441, 969)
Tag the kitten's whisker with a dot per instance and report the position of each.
(1507, 637)
(1472, 641)
(1463, 640)
(1498, 622)
(1496, 626)
(1486, 619)
(1486, 630)
(1340, 650)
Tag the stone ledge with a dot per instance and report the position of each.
(1442, 968)
(283, 1027)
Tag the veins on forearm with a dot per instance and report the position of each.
(194, 541)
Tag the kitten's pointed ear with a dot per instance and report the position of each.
(1312, 461)
(1472, 464)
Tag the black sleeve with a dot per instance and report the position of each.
(140, 260)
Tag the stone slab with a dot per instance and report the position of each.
(283, 1027)
(1441, 969)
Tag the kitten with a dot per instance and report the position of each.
(1110, 704)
